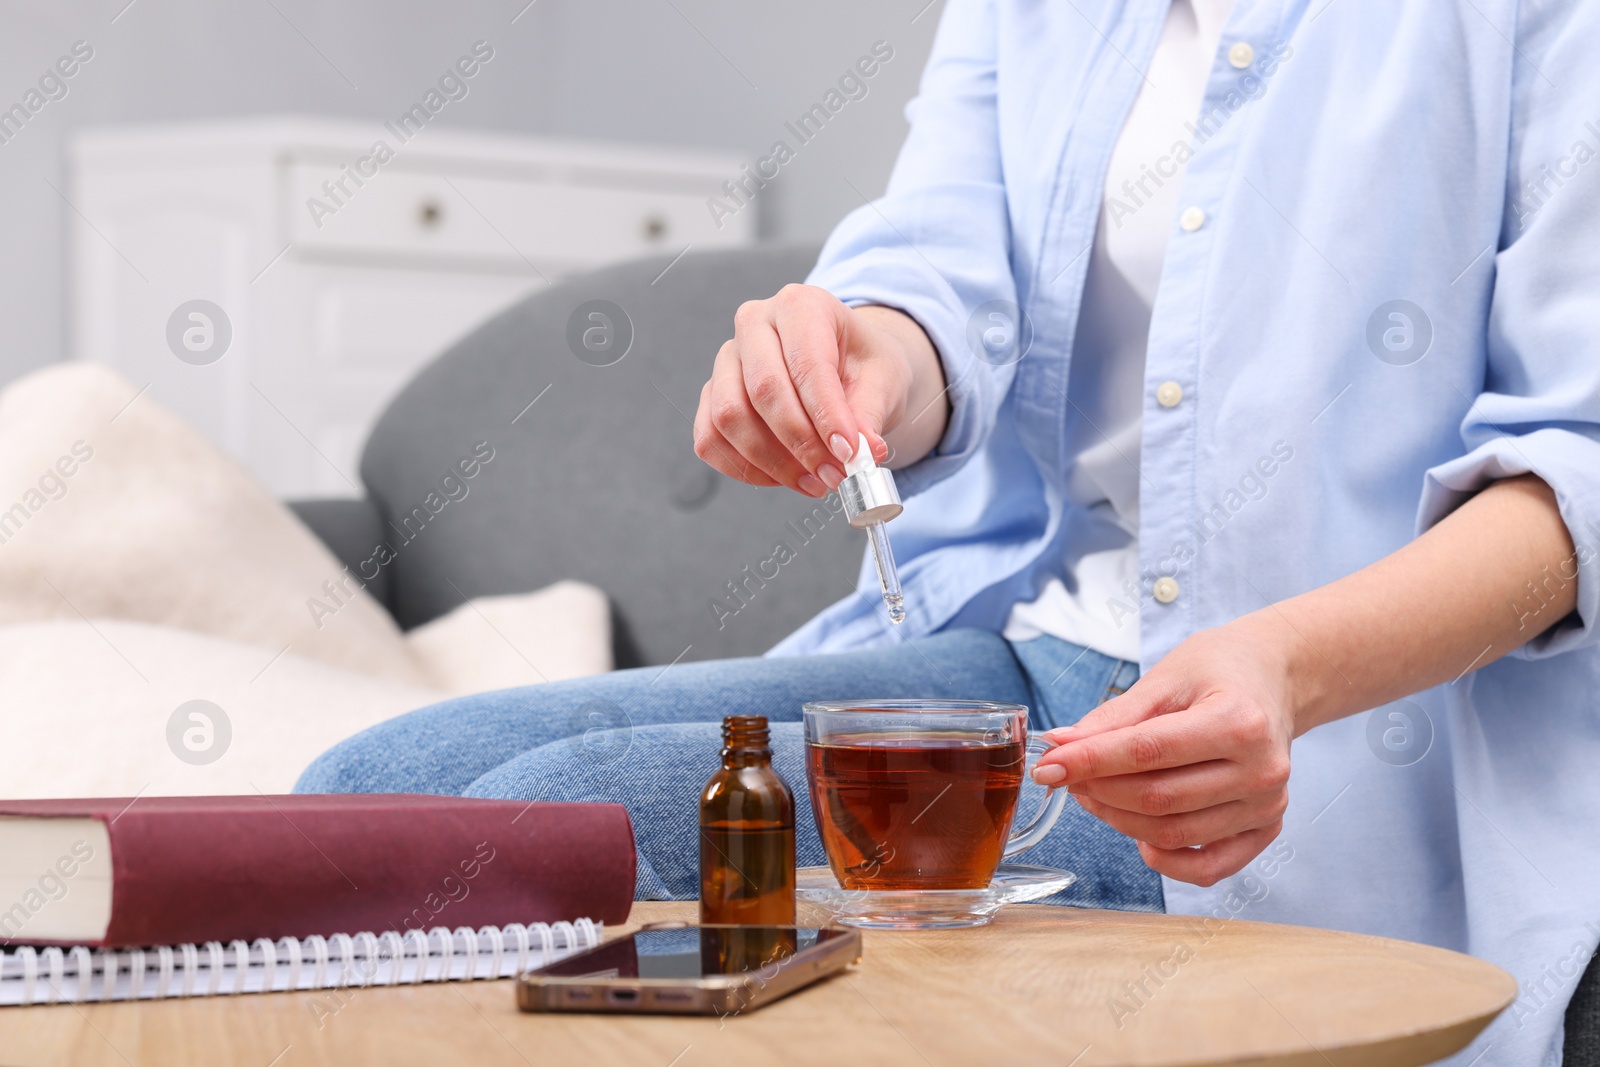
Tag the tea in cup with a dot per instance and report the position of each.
(921, 794)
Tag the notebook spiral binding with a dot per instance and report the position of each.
(79, 975)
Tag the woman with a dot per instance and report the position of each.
(1253, 350)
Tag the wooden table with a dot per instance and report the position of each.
(1041, 985)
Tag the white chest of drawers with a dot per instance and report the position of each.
(334, 295)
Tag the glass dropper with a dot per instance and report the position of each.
(870, 501)
(888, 577)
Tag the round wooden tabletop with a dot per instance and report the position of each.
(1040, 985)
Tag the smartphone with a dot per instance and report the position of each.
(679, 969)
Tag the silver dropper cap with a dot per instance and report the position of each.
(870, 497)
(868, 491)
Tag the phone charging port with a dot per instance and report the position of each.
(622, 996)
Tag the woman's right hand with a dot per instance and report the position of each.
(803, 375)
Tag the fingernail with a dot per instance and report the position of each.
(1050, 774)
(830, 475)
(841, 448)
(811, 486)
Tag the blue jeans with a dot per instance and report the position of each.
(649, 738)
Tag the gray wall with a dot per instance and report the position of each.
(692, 73)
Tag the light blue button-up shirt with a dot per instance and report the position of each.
(1392, 299)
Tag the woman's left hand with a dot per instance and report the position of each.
(1192, 762)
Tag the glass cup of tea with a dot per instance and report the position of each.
(920, 794)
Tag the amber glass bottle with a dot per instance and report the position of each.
(746, 832)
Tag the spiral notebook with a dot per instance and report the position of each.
(78, 975)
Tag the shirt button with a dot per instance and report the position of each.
(1241, 55)
(1192, 219)
(1169, 394)
(1165, 590)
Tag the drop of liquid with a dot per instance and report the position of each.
(896, 605)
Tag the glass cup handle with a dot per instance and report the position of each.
(1025, 837)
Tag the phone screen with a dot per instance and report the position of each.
(691, 952)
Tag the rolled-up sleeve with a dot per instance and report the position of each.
(937, 244)
(1539, 412)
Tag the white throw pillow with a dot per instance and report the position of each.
(140, 569)
(87, 709)
(497, 642)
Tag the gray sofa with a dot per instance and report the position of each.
(598, 479)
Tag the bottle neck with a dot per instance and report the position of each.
(746, 742)
(734, 758)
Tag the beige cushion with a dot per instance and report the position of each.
(110, 507)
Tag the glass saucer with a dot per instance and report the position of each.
(928, 909)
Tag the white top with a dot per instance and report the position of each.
(1097, 602)
(862, 460)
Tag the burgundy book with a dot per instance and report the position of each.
(171, 870)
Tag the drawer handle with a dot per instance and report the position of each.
(655, 227)
(430, 214)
